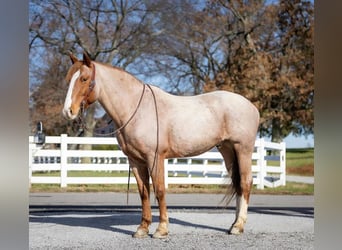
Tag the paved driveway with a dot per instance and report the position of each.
(197, 221)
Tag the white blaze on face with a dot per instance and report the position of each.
(68, 100)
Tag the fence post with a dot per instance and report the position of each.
(261, 163)
(31, 148)
(64, 160)
(166, 173)
(283, 164)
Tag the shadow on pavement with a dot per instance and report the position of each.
(111, 222)
(113, 218)
(307, 212)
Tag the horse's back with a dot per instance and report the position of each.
(197, 123)
(220, 103)
(231, 104)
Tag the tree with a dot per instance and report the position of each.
(115, 32)
(262, 51)
(47, 98)
(188, 46)
(296, 65)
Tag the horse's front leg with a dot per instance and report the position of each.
(142, 176)
(157, 174)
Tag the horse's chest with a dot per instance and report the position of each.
(128, 148)
(123, 144)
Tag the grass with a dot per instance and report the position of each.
(83, 174)
(290, 188)
(298, 162)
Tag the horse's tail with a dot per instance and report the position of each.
(235, 187)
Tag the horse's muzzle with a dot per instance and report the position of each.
(67, 113)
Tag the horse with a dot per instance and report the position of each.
(154, 125)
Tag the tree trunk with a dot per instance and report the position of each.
(90, 125)
(276, 130)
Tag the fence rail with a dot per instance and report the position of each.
(59, 156)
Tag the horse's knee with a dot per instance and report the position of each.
(160, 193)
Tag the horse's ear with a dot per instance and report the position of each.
(86, 59)
(73, 58)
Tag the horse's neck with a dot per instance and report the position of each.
(119, 92)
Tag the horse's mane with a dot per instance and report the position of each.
(111, 66)
(118, 68)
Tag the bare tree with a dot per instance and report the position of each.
(262, 51)
(115, 32)
(259, 49)
(47, 98)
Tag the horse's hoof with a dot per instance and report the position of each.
(140, 233)
(235, 230)
(160, 235)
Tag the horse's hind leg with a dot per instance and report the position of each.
(238, 163)
(243, 185)
(142, 176)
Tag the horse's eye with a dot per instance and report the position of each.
(83, 79)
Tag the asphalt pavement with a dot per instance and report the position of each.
(111, 200)
(197, 221)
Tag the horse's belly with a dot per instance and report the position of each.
(194, 137)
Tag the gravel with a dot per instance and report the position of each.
(188, 230)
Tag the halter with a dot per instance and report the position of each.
(90, 89)
(81, 122)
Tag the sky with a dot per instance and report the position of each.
(299, 142)
(291, 141)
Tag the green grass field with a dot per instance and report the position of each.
(298, 162)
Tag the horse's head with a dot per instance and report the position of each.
(81, 92)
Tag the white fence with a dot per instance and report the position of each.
(58, 158)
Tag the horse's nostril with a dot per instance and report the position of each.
(70, 110)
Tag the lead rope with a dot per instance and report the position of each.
(155, 153)
(129, 179)
(83, 126)
(157, 146)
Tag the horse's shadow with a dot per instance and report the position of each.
(119, 220)
(114, 222)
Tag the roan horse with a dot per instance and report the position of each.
(154, 125)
